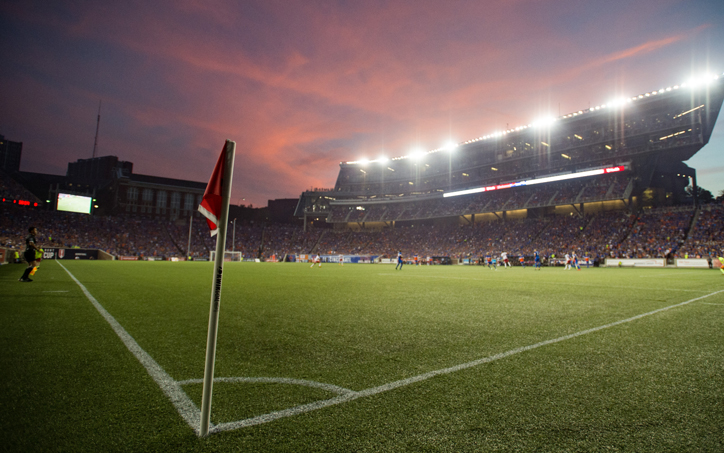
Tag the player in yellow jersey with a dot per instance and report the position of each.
(721, 260)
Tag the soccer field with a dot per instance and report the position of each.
(362, 358)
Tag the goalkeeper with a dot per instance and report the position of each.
(32, 254)
(721, 260)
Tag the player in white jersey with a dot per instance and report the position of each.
(341, 260)
(504, 258)
(317, 260)
(568, 261)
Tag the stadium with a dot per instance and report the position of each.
(591, 167)
(104, 354)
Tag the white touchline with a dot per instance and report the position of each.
(188, 410)
(185, 407)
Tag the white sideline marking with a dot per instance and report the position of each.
(191, 414)
(185, 407)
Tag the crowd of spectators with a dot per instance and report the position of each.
(657, 233)
(706, 238)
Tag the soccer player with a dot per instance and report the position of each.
(574, 260)
(31, 248)
(399, 260)
(721, 260)
(504, 259)
(521, 258)
(495, 263)
(489, 261)
(536, 257)
(568, 261)
(341, 260)
(317, 260)
(588, 260)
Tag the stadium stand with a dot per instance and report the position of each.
(653, 233)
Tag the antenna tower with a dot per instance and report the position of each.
(98, 125)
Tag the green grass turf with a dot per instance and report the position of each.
(67, 383)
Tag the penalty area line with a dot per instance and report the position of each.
(185, 407)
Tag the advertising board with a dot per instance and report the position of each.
(636, 262)
(693, 262)
(69, 254)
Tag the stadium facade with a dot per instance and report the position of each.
(626, 154)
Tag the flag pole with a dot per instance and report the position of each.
(229, 150)
(188, 248)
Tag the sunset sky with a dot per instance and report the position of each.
(303, 85)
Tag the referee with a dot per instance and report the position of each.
(29, 254)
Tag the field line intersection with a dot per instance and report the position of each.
(191, 413)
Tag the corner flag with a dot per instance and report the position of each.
(215, 207)
(212, 202)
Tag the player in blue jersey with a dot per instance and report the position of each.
(494, 262)
(488, 261)
(536, 257)
(399, 260)
(574, 259)
(521, 258)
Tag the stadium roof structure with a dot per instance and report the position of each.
(645, 138)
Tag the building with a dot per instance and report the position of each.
(10, 155)
(116, 190)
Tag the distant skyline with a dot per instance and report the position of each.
(302, 86)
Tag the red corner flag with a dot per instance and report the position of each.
(215, 207)
(211, 204)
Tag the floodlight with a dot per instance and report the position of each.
(416, 154)
(543, 122)
(363, 161)
(449, 146)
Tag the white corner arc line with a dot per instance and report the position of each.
(185, 407)
(269, 380)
